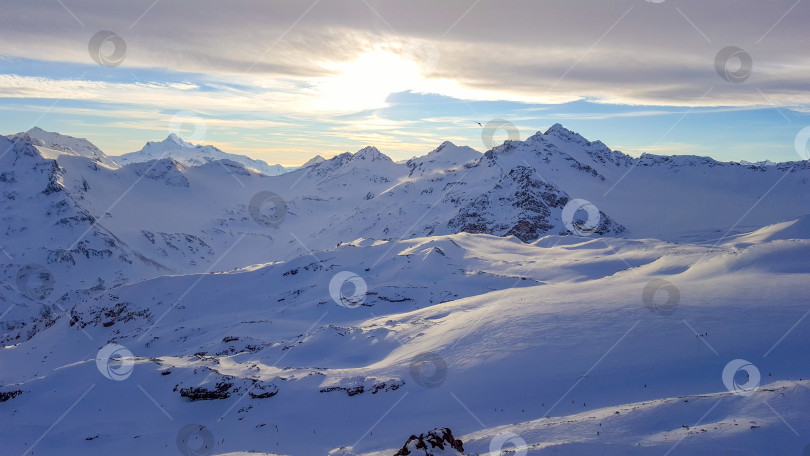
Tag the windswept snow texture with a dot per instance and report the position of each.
(548, 297)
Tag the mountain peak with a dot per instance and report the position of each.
(369, 150)
(447, 147)
(174, 138)
(370, 153)
(50, 136)
(65, 143)
(313, 161)
(558, 131)
(443, 147)
(446, 156)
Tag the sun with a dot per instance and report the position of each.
(366, 82)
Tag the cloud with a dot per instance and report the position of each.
(623, 52)
(210, 99)
(272, 76)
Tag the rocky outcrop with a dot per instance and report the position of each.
(521, 205)
(439, 441)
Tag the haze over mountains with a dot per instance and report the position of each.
(510, 272)
(173, 147)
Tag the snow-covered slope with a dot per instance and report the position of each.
(566, 332)
(190, 154)
(790, 230)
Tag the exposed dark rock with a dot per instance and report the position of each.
(261, 390)
(220, 391)
(390, 385)
(521, 205)
(438, 439)
(6, 395)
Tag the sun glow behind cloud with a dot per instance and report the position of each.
(367, 82)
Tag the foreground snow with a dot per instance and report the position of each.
(573, 353)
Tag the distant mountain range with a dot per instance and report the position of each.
(174, 207)
(189, 154)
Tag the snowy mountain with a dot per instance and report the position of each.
(446, 156)
(550, 296)
(671, 198)
(189, 154)
(48, 141)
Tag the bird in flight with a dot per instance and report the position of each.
(479, 124)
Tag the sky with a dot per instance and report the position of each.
(283, 81)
